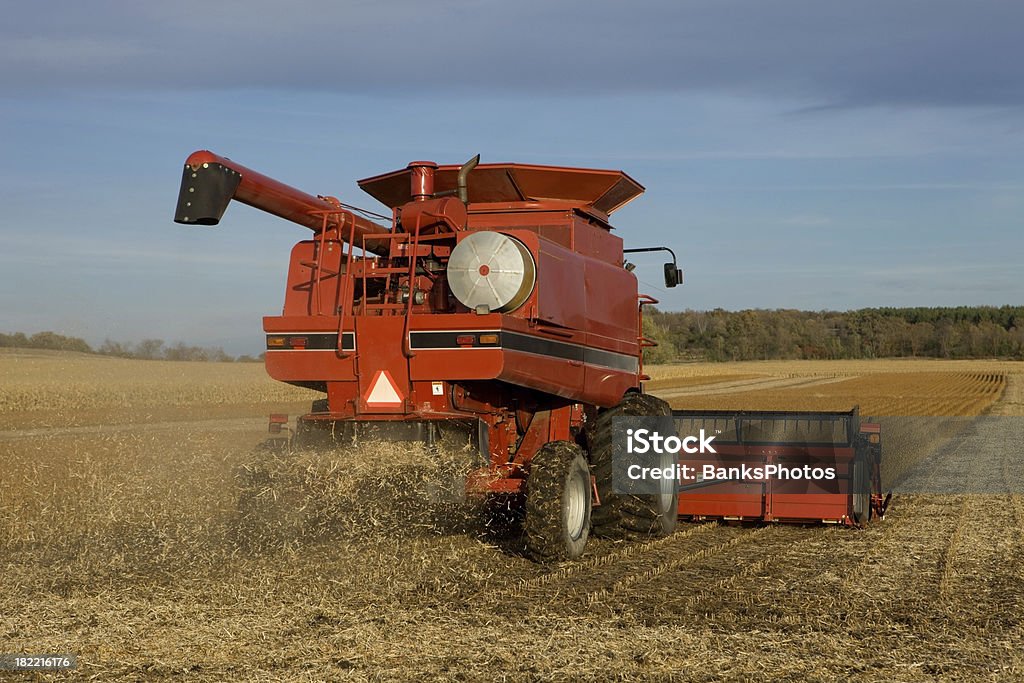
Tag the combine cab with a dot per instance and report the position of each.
(496, 312)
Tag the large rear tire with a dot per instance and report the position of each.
(558, 500)
(630, 516)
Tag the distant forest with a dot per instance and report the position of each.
(147, 349)
(719, 335)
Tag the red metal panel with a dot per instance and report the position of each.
(461, 364)
(611, 300)
(311, 291)
(542, 373)
(379, 348)
(307, 365)
(587, 235)
(561, 293)
(489, 217)
(561, 234)
(596, 242)
(456, 364)
(605, 388)
(283, 324)
(599, 385)
(724, 500)
(810, 507)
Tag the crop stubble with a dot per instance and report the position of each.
(122, 546)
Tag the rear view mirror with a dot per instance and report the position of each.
(673, 275)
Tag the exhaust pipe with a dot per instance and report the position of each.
(463, 189)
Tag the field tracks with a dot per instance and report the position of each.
(745, 385)
(905, 559)
(741, 575)
(641, 576)
(252, 424)
(947, 562)
(566, 573)
(1011, 399)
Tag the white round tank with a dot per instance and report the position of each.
(491, 272)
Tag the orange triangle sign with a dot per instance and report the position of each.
(383, 391)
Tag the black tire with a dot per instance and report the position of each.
(860, 490)
(558, 500)
(629, 516)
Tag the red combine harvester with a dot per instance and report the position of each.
(497, 310)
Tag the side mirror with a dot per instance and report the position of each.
(673, 275)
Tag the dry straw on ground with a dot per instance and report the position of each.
(125, 545)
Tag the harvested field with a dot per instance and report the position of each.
(877, 393)
(120, 541)
(57, 389)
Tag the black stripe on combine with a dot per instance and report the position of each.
(549, 347)
(527, 343)
(610, 359)
(449, 340)
(316, 341)
(543, 347)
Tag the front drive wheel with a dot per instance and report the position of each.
(558, 499)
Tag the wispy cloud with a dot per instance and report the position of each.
(71, 54)
(81, 253)
(805, 221)
(839, 55)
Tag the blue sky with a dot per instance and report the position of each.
(804, 155)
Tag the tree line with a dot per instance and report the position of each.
(147, 349)
(943, 332)
(720, 335)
